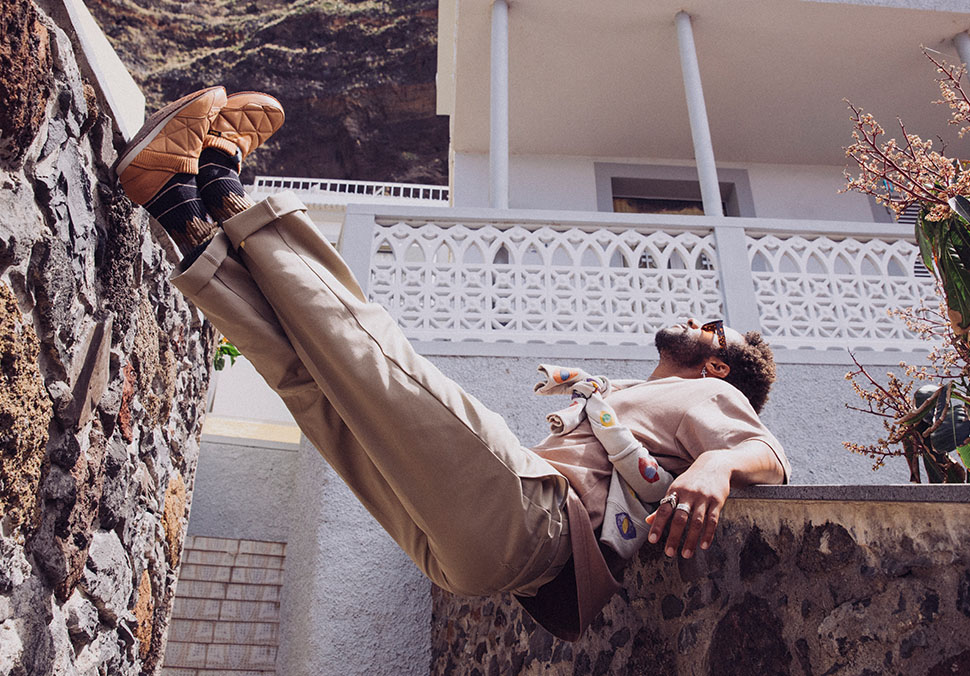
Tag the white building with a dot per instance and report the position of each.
(614, 166)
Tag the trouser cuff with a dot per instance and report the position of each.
(241, 226)
(190, 279)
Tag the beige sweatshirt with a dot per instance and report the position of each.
(676, 419)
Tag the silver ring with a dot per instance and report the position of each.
(669, 499)
(684, 507)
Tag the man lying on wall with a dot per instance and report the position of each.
(476, 511)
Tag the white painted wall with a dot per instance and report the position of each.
(568, 183)
(808, 192)
(240, 392)
(352, 602)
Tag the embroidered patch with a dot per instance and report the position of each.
(648, 470)
(562, 376)
(625, 526)
(606, 419)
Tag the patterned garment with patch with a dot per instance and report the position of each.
(637, 477)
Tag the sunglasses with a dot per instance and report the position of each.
(716, 327)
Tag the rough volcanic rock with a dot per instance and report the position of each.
(25, 81)
(103, 374)
(356, 78)
(25, 411)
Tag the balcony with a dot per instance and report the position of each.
(495, 282)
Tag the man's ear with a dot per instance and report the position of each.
(716, 367)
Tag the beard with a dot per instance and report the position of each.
(682, 348)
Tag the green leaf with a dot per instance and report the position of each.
(225, 349)
(956, 285)
(959, 236)
(961, 205)
(925, 241)
(964, 452)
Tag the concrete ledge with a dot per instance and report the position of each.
(119, 89)
(647, 352)
(858, 493)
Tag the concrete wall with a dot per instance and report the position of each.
(244, 490)
(353, 603)
(806, 411)
(569, 183)
(797, 582)
(345, 579)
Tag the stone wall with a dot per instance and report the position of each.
(834, 580)
(103, 374)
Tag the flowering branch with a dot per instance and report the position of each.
(900, 175)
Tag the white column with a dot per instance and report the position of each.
(498, 146)
(737, 285)
(962, 43)
(699, 129)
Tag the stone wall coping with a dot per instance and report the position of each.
(858, 492)
(122, 94)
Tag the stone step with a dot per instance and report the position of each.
(216, 631)
(219, 656)
(225, 616)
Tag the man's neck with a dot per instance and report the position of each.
(666, 369)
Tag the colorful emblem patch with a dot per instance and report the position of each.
(648, 470)
(625, 526)
(606, 419)
(563, 375)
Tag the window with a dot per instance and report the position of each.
(658, 189)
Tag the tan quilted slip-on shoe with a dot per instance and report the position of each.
(245, 122)
(168, 143)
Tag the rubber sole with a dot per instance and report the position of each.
(154, 125)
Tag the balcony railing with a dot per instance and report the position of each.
(316, 191)
(615, 279)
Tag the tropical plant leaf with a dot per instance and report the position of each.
(925, 241)
(961, 205)
(964, 452)
(912, 459)
(959, 237)
(927, 408)
(956, 286)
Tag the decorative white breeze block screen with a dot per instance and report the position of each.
(539, 283)
(820, 292)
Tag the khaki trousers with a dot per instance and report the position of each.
(443, 475)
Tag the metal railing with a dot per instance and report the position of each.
(337, 191)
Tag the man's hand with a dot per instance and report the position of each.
(704, 488)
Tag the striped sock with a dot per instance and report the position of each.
(219, 185)
(180, 211)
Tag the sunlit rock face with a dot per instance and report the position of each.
(357, 79)
(104, 369)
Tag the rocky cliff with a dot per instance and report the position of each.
(103, 375)
(356, 77)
